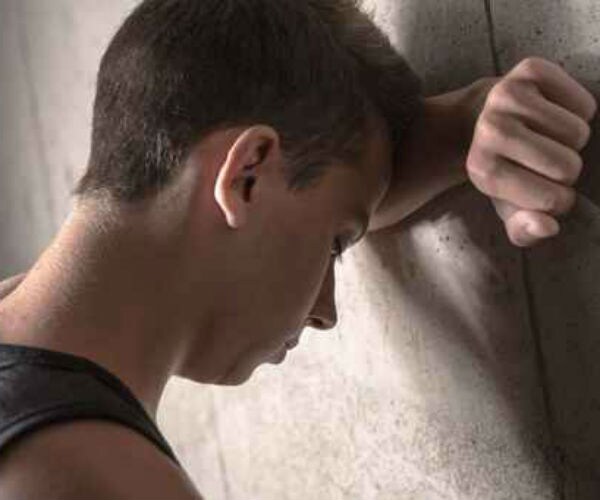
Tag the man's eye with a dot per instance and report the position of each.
(337, 249)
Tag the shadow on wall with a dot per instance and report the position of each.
(589, 182)
(469, 289)
(565, 294)
(553, 393)
(510, 358)
(566, 298)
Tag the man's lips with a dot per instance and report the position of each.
(290, 344)
(279, 356)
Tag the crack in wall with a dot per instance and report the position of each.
(492, 37)
(558, 456)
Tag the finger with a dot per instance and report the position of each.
(504, 209)
(525, 227)
(557, 86)
(501, 178)
(542, 115)
(538, 153)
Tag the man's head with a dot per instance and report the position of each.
(279, 120)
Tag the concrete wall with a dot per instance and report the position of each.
(460, 367)
(564, 296)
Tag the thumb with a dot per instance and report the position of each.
(525, 227)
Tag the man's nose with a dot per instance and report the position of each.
(324, 314)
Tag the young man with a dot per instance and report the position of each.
(238, 147)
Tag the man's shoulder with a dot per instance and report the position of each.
(92, 459)
(8, 285)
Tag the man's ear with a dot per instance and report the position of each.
(244, 166)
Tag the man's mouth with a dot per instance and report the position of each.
(290, 344)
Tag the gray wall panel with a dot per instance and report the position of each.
(430, 386)
(566, 297)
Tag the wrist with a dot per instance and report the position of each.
(451, 119)
(433, 154)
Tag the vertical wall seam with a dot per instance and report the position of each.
(557, 458)
(491, 29)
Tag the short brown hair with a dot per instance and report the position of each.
(179, 69)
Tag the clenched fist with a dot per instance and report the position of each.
(525, 153)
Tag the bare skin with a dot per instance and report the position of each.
(517, 139)
(208, 280)
(9, 285)
(99, 289)
(526, 150)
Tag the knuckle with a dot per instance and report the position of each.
(531, 66)
(590, 108)
(593, 107)
(576, 165)
(568, 199)
(484, 174)
(486, 131)
(566, 178)
(569, 171)
(495, 130)
(549, 203)
(512, 87)
(504, 93)
(486, 171)
(514, 233)
(497, 96)
(560, 201)
(583, 134)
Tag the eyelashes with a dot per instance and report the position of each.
(337, 250)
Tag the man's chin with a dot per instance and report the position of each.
(277, 358)
(239, 376)
(233, 382)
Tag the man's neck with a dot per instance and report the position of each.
(99, 294)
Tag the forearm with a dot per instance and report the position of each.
(433, 154)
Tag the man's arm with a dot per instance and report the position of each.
(434, 152)
(90, 460)
(518, 139)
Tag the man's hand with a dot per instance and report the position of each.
(526, 145)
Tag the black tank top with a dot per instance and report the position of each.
(39, 387)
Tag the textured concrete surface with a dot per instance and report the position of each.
(565, 297)
(427, 389)
(49, 53)
(460, 367)
(446, 41)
